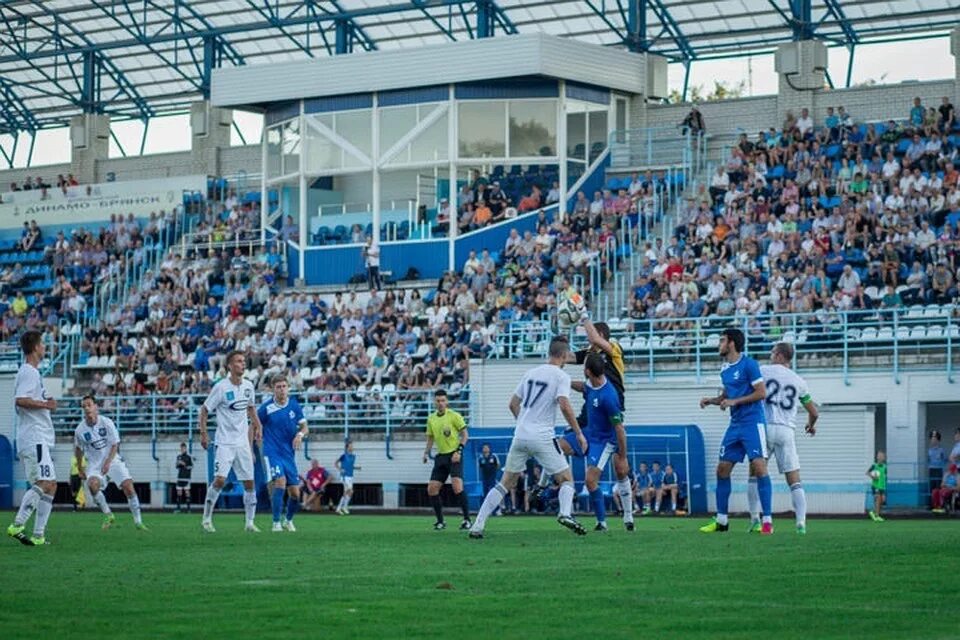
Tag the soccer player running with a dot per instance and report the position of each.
(743, 393)
(35, 439)
(284, 429)
(785, 392)
(447, 429)
(346, 465)
(232, 399)
(605, 437)
(96, 438)
(534, 405)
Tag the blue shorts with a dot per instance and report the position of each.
(281, 466)
(744, 441)
(598, 451)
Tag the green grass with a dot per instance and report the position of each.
(393, 577)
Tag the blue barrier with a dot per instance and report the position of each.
(679, 445)
(6, 474)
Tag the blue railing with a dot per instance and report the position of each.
(918, 338)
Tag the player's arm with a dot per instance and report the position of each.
(78, 454)
(577, 385)
(594, 337)
(515, 405)
(302, 434)
(29, 403)
(256, 429)
(202, 426)
(759, 394)
(464, 436)
(567, 410)
(617, 420)
(105, 467)
(813, 414)
(426, 451)
(715, 401)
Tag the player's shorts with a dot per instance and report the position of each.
(38, 463)
(744, 441)
(182, 484)
(570, 438)
(444, 467)
(347, 482)
(281, 466)
(239, 457)
(875, 491)
(782, 445)
(117, 473)
(547, 453)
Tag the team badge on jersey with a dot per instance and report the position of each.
(87, 436)
(230, 395)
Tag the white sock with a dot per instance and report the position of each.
(673, 505)
(767, 519)
(346, 501)
(626, 499)
(566, 499)
(101, 501)
(249, 505)
(799, 498)
(134, 503)
(544, 480)
(753, 500)
(43, 514)
(340, 504)
(28, 504)
(656, 506)
(212, 494)
(490, 504)
(721, 518)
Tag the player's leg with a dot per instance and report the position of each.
(731, 452)
(222, 461)
(291, 478)
(753, 502)
(438, 476)
(799, 499)
(31, 497)
(96, 484)
(243, 468)
(120, 475)
(597, 458)
(456, 482)
(788, 463)
(276, 497)
(624, 491)
(347, 494)
(658, 499)
(765, 490)
(514, 465)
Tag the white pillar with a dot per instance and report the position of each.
(452, 153)
(562, 147)
(264, 200)
(955, 50)
(302, 205)
(375, 183)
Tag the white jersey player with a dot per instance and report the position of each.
(534, 405)
(35, 439)
(786, 391)
(97, 439)
(232, 399)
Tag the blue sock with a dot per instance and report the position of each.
(599, 508)
(723, 495)
(276, 501)
(765, 489)
(293, 505)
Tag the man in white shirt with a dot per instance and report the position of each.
(232, 399)
(371, 256)
(804, 123)
(35, 440)
(849, 281)
(534, 404)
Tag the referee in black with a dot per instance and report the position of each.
(184, 471)
(446, 428)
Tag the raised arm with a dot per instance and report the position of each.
(594, 337)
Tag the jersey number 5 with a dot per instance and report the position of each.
(789, 395)
(532, 396)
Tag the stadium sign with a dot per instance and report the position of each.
(87, 209)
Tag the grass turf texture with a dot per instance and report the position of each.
(393, 577)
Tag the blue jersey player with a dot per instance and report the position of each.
(284, 429)
(743, 393)
(346, 465)
(606, 437)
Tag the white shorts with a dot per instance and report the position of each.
(38, 463)
(782, 444)
(117, 473)
(239, 457)
(347, 482)
(547, 453)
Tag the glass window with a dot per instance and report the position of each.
(320, 155)
(395, 122)
(577, 135)
(431, 144)
(291, 147)
(598, 133)
(483, 129)
(533, 128)
(273, 152)
(354, 126)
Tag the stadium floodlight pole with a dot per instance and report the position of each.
(303, 217)
(375, 168)
(453, 151)
(562, 149)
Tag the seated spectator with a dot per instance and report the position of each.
(949, 485)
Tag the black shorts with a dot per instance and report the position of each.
(444, 467)
(75, 483)
(875, 491)
(183, 484)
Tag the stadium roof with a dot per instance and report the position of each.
(142, 58)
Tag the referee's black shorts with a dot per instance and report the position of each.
(444, 467)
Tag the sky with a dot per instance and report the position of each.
(884, 63)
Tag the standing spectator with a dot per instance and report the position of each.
(948, 115)
(944, 493)
(184, 471)
(878, 484)
(916, 114)
(693, 123)
(936, 458)
(371, 256)
(489, 464)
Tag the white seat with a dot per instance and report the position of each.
(854, 334)
(872, 292)
(640, 343)
(713, 340)
(884, 333)
(903, 333)
(109, 379)
(626, 343)
(128, 378)
(869, 334)
(422, 351)
(371, 351)
(933, 311)
(320, 411)
(389, 387)
(934, 331)
(802, 338)
(916, 311)
(789, 337)
(901, 288)
(918, 333)
(953, 331)
(111, 361)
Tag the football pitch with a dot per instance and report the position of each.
(394, 577)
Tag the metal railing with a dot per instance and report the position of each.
(918, 338)
(658, 147)
(380, 410)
